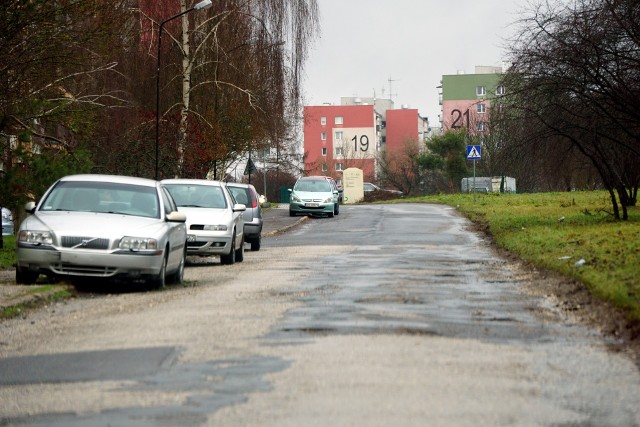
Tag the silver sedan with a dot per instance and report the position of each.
(103, 226)
(215, 223)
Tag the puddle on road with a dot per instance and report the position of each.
(429, 292)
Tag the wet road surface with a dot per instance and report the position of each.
(383, 315)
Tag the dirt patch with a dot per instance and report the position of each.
(574, 300)
(577, 303)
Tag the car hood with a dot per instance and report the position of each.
(93, 224)
(207, 215)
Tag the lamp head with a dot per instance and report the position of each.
(204, 4)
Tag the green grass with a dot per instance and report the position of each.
(555, 230)
(8, 252)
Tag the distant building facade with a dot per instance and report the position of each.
(467, 99)
(405, 126)
(340, 137)
(352, 135)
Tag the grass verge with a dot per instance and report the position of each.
(571, 233)
(35, 297)
(8, 252)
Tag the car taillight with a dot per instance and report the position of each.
(254, 201)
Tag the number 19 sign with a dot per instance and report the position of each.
(359, 143)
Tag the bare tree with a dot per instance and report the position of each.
(401, 169)
(55, 65)
(239, 73)
(575, 82)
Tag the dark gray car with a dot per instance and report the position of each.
(247, 195)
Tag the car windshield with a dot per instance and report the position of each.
(105, 197)
(197, 196)
(315, 186)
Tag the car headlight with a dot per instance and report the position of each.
(36, 237)
(328, 200)
(209, 227)
(295, 198)
(138, 243)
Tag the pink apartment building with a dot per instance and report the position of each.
(340, 137)
(403, 127)
(337, 137)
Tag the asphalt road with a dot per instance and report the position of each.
(384, 315)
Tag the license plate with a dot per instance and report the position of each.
(312, 205)
(68, 257)
(191, 237)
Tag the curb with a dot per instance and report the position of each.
(285, 228)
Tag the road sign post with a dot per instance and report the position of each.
(474, 152)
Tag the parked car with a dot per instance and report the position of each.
(215, 225)
(369, 187)
(314, 195)
(337, 186)
(103, 226)
(340, 188)
(7, 222)
(248, 196)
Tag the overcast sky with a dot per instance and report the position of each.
(364, 43)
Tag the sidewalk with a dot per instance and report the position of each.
(277, 220)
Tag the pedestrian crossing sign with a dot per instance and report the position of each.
(474, 152)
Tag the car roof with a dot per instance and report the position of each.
(192, 182)
(111, 178)
(239, 184)
(314, 178)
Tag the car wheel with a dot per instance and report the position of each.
(160, 280)
(26, 277)
(291, 213)
(240, 251)
(255, 245)
(178, 277)
(330, 214)
(229, 258)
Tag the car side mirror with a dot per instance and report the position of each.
(30, 207)
(239, 207)
(176, 216)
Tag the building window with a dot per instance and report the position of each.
(481, 90)
(338, 166)
(480, 127)
(339, 120)
(324, 168)
(323, 121)
(324, 151)
(500, 90)
(339, 136)
(481, 108)
(339, 151)
(323, 136)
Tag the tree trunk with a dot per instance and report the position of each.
(186, 89)
(614, 203)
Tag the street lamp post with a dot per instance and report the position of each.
(204, 4)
